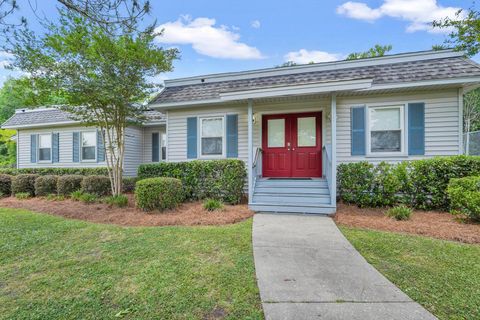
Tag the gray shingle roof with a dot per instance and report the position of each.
(400, 72)
(46, 116)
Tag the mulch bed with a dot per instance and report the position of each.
(441, 225)
(188, 214)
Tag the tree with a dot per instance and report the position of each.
(103, 72)
(376, 51)
(465, 35)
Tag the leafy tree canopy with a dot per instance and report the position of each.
(376, 51)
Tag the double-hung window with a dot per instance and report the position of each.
(89, 146)
(212, 132)
(386, 129)
(45, 147)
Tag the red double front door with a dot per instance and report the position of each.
(292, 145)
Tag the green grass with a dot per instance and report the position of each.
(53, 268)
(443, 276)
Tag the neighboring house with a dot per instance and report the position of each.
(292, 126)
(48, 137)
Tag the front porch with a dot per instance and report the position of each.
(291, 166)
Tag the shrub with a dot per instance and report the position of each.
(76, 195)
(56, 171)
(97, 185)
(158, 193)
(212, 205)
(223, 180)
(464, 194)
(24, 183)
(88, 197)
(118, 200)
(5, 184)
(45, 185)
(129, 184)
(55, 197)
(68, 184)
(399, 213)
(22, 195)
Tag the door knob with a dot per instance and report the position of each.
(288, 145)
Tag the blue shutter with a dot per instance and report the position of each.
(55, 147)
(416, 128)
(33, 148)
(232, 136)
(192, 138)
(358, 131)
(100, 146)
(76, 147)
(155, 147)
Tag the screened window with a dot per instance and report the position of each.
(212, 135)
(89, 145)
(164, 146)
(45, 147)
(386, 129)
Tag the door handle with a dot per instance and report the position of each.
(288, 146)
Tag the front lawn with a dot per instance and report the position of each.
(441, 275)
(53, 268)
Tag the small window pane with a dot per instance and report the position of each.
(88, 153)
(45, 141)
(212, 146)
(212, 127)
(89, 139)
(276, 133)
(44, 154)
(386, 141)
(307, 132)
(385, 119)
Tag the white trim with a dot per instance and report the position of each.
(40, 125)
(199, 135)
(81, 146)
(335, 65)
(403, 135)
(51, 147)
(425, 83)
(250, 149)
(333, 183)
(460, 121)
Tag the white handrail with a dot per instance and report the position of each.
(327, 149)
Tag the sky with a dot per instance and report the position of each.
(216, 36)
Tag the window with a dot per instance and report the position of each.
(45, 147)
(89, 145)
(386, 129)
(211, 134)
(164, 146)
(276, 133)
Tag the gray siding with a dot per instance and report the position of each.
(133, 150)
(147, 140)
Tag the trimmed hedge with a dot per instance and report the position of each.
(45, 185)
(24, 183)
(97, 185)
(5, 185)
(128, 184)
(68, 184)
(222, 180)
(56, 171)
(464, 195)
(158, 193)
(421, 184)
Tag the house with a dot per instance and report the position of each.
(292, 126)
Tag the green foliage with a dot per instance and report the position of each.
(55, 197)
(401, 212)
(212, 204)
(5, 184)
(8, 148)
(56, 171)
(22, 195)
(68, 184)
(120, 200)
(97, 185)
(464, 194)
(421, 184)
(76, 195)
(24, 183)
(45, 185)
(128, 184)
(158, 193)
(376, 51)
(88, 197)
(222, 180)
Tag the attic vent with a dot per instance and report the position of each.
(202, 80)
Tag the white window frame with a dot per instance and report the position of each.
(51, 147)
(403, 131)
(224, 135)
(81, 146)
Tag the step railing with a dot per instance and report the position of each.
(327, 156)
(257, 165)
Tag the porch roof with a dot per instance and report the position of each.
(395, 71)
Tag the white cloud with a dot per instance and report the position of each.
(206, 38)
(418, 14)
(304, 56)
(5, 59)
(256, 24)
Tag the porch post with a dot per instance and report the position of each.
(333, 183)
(250, 150)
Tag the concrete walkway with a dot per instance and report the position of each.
(306, 269)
